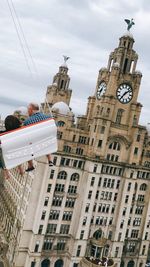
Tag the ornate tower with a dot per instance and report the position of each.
(59, 90)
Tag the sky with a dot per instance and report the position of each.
(85, 30)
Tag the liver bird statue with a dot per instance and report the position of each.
(130, 23)
(65, 58)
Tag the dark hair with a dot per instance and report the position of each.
(12, 123)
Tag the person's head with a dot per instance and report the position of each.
(12, 123)
(21, 113)
(33, 108)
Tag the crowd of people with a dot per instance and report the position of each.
(17, 120)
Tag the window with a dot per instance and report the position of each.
(54, 215)
(48, 243)
(79, 151)
(119, 116)
(126, 198)
(90, 194)
(95, 168)
(70, 202)
(134, 233)
(51, 228)
(97, 194)
(143, 250)
(129, 187)
(49, 188)
(78, 251)
(64, 228)
(74, 177)
(115, 146)
(135, 150)
(59, 188)
(121, 224)
(87, 207)
(61, 244)
(52, 174)
(84, 220)
(72, 189)
(57, 201)
(43, 215)
(143, 187)
(33, 263)
(67, 149)
(124, 211)
(40, 229)
(82, 234)
(67, 216)
(62, 175)
(92, 181)
(115, 196)
(102, 130)
(116, 252)
(59, 135)
(36, 246)
(46, 201)
(100, 143)
(118, 184)
(140, 198)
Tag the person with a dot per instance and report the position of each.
(35, 116)
(11, 123)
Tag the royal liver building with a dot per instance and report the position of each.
(92, 208)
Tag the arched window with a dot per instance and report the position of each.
(60, 123)
(45, 263)
(62, 175)
(130, 264)
(79, 151)
(59, 263)
(122, 264)
(115, 146)
(98, 234)
(74, 177)
(119, 115)
(143, 187)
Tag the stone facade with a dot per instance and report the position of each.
(94, 202)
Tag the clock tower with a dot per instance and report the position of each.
(114, 105)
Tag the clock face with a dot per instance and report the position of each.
(124, 93)
(101, 90)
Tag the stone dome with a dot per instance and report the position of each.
(128, 34)
(61, 107)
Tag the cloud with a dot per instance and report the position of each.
(86, 30)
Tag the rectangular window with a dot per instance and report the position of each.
(48, 243)
(100, 143)
(46, 201)
(52, 174)
(64, 228)
(51, 228)
(59, 188)
(43, 215)
(49, 188)
(92, 181)
(82, 234)
(54, 215)
(67, 216)
(40, 229)
(57, 201)
(135, 150)
(78, 251)
(72, 189)
(90, 194)
(70, 202)
(61, 244)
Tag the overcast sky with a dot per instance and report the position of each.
(85, 30)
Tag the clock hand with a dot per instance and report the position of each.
(123, 94)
